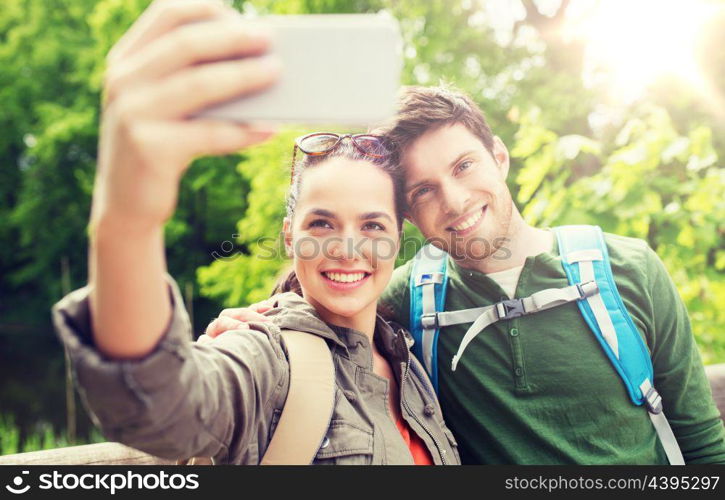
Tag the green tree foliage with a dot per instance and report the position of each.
(650, 182)
(53, 60)
(247, 274)
(47, 141)
(654, 171)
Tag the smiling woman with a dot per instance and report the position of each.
(344, 252)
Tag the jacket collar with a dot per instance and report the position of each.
(390, 341)
(293, 312)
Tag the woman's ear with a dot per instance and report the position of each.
(287, 235)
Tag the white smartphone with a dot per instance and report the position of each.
(336, 69)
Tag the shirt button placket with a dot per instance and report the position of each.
(518, 359)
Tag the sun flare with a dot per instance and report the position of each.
(632, 43)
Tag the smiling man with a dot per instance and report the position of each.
(536, 389)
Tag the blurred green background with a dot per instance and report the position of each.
(614, 114)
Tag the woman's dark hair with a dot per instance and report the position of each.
(288, 280)
(348, 151)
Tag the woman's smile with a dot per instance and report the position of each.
(344, 280)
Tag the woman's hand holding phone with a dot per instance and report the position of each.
(168, 66)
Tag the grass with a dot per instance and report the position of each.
(41, 437)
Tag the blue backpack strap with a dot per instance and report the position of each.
(584, 257)
(428, 281)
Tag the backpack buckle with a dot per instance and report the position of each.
(587, 289)
(653, 401)
(509, 309)
(429, 321)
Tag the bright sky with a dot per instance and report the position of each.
(630, 43)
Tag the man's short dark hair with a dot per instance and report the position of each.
(421, 109)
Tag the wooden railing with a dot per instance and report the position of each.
(118, 454)
(88, 454)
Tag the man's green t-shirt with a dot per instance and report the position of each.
(539, 389)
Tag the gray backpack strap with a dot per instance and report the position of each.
(310, 400)
(508, 309)
(661, 424)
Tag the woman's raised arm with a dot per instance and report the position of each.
(165, 68)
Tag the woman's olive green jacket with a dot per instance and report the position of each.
(223, 399)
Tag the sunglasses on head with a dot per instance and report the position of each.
(322, 143)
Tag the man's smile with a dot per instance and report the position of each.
(468, 222)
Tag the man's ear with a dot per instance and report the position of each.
(287, 235)
(501, 155)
